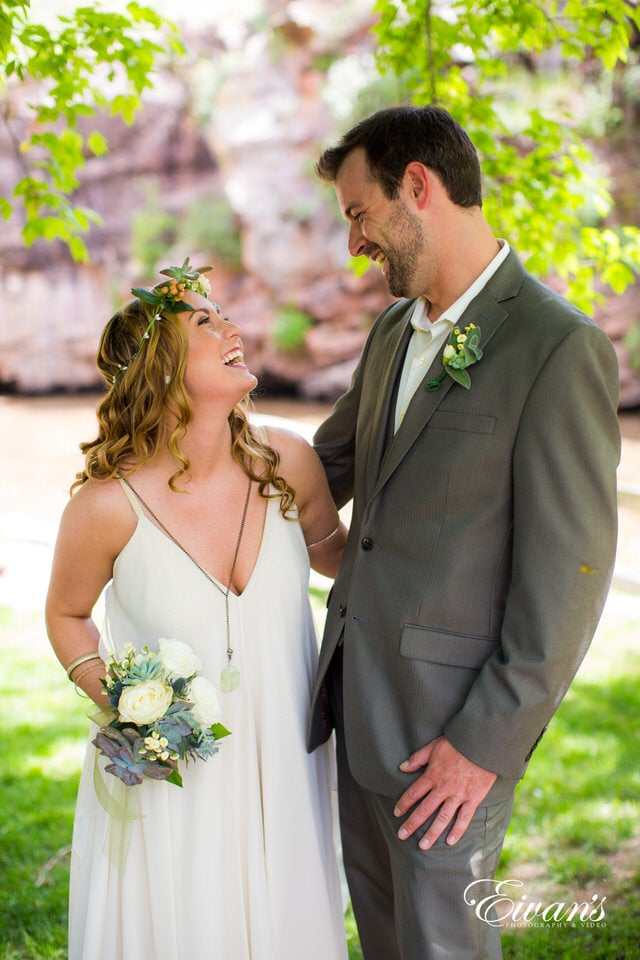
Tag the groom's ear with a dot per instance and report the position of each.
(417, 184)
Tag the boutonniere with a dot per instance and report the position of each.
(462, 350)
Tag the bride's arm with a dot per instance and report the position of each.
(324, 533)
(92, 531)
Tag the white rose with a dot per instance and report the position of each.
(144, 702)
(204, 697)
(449, 352)
(202, 285)
(178, 658)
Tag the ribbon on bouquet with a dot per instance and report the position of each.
(121, 803)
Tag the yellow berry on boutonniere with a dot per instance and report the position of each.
(461, 351)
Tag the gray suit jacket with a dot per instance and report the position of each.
(483, 535)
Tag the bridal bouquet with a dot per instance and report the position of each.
(162, 711)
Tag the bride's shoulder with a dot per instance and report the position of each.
(290, 445)
(97, 520)
(99, 501)
(299, 463)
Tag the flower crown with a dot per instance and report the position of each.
(168, 297)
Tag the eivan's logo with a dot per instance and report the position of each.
(496, 903)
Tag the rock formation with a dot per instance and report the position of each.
(240, 174)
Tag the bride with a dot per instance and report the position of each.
(202, 527)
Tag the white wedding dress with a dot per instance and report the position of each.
(240, 863)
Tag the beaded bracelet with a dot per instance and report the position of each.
(83, 659)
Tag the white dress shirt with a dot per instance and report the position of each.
(428, 338)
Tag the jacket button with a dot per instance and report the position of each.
(342, 610)
(366, 543)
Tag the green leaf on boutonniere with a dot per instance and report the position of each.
(473, 340)
(462, 350)
(460, 376)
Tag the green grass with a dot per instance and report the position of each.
(574, 832)
(44, 728)
(616, 938)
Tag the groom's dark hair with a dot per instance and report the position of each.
(396, 136)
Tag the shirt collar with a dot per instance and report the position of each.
(420, 315)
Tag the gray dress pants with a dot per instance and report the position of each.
(409, 904)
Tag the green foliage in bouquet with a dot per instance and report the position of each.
(161, 711)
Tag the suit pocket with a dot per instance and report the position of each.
(448, 649)
(463, 422)
(440, 668)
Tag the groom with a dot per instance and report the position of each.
(482, 540)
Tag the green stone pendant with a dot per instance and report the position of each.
(229, 679)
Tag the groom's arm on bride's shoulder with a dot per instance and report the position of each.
(94, 528)
(324, 533)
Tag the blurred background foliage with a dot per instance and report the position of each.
(208, 223)
(548, 91)
(91, 60)
(503, 69)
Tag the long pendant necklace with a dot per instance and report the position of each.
(230, 675)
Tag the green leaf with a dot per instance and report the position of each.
(473, 338)
(219, 731)
(180, 306)
(460, 376)
(146, 295)
(78, 249)
(469, 356)
(97, 143)
(359, 265)
(174, 777)
(618, 276)
(30, 233)
(126, 106)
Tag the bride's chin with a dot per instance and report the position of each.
(243, 376)
(249, 383)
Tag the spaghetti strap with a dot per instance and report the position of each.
(132, 497)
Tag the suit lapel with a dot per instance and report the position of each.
(393, 351)
(486, 313)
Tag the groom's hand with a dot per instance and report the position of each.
(449, 784)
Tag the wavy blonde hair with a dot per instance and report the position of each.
(143, 392)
